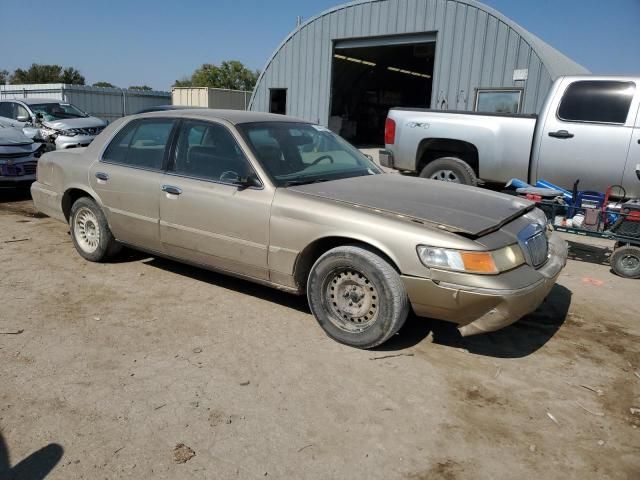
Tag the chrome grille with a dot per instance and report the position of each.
(87, 131)
(537, 248)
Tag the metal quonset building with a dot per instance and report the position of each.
(347, 66)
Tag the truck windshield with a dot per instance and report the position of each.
(301, 153)
(57, 111)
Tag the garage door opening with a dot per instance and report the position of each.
(368, 80)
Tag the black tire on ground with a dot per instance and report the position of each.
(625, 261)
(357, 297)
(90, 231)
(450, 169)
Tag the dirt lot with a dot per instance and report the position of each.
(118, 364)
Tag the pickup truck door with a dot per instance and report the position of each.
(205, 216)
(128, 179)
(631, 181)
(586, 134)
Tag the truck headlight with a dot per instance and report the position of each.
(487, 263)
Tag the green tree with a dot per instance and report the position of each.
(4, 75)
(230, 74)
(104, 85)
(140, 87)
(46, 74)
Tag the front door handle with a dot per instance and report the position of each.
(102, 176)
(171, 189)
(561, 134)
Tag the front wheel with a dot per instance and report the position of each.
(357, 297)
(450, 169)
(90, 231)
(625, 261)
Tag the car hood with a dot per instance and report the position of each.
(10, 136)
(448, 206)
(83, 122)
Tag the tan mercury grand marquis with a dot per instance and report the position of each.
(289, 204)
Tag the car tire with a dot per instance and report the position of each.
(357, 297)
(450, 169)
(90, 231)
(625, 261)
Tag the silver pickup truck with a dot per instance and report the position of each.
(588, 129)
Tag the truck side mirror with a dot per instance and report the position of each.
(23, 118)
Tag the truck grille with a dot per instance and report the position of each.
(537, 248)
(30, 168)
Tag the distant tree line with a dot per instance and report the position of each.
(231, 74)
(42, 74)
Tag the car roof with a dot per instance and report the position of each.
(232, 116)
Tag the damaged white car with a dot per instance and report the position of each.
(52, 121)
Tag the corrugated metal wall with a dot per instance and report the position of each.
(210, 97)
(474, 49)
(106, 103)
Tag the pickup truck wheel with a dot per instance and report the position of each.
(625, 261)
(90, 231)
(450, 169)
(357, 297)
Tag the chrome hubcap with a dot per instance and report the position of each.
(352, 300)
(86, 230)
(446, 176)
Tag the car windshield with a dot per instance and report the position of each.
(57, 111)
(301, 153)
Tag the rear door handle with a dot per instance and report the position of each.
(561, 134)
(102, 176)
(171, 189)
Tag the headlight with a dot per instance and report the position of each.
(67, 133)
(493, 262)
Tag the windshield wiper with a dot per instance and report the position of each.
(293, 183)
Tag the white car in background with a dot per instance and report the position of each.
(53, 121)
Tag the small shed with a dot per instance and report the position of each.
(210, 97)
(347, 66)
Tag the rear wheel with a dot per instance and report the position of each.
(625, 261)
(90, 231)
(450, 169)
(357, 297)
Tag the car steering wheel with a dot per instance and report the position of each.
(319, 159)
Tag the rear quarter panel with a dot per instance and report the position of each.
(503, 141)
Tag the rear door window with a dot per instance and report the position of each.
(140, 144)
(597, 101)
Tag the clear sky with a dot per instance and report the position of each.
(134, 42)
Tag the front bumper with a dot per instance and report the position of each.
(63, 142)
(480, 310)
(16, 181)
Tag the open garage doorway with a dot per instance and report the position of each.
(370, 76)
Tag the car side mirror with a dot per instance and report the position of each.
(638, 171)
(249, 181)
(23, 118)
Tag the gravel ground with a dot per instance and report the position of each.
(145, 368)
